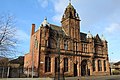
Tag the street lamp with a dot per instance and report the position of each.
(111, 64)
(60, 35)
(32, 64)
(33, 56)
(110, 57)
(58, 58)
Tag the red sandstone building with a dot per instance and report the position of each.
(80, 53)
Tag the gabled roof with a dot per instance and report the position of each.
(97, 39)
(55, 27)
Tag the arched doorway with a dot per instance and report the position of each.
(84, 68)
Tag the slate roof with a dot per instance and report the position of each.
(55, 30)
(83, 36)
(54, 27)
(19, 60)
(118, 63)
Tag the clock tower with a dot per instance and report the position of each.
(71, 22)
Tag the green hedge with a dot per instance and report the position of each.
(116, 72)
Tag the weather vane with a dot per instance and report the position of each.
(69, 1)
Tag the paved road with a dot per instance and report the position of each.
(113, 77)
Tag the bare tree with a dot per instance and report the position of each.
(8, 40)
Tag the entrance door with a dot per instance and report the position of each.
(84, 68)
(75, 69)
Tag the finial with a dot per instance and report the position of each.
(44, 23)
(69, 1)
(45, 18)
(89, 35)
(102, 37)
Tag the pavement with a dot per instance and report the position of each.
(111, 77)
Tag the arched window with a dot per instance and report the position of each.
(99, 65)
(47, 64)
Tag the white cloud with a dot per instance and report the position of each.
(22, 36)
(57, 18)
(113, 28)
(59, 6)
(43, 3)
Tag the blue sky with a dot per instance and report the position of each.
(97, 16)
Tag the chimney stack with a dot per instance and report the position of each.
(33, 29)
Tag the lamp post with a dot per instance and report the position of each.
(32, 64)
(33, 57)
(58, 48)
(111, 64)
(60, 36)
(110, 57)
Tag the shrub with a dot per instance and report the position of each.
(116, 72)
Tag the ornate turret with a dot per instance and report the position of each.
(103, 38)
(70, 12)
(89, 35)
(45, 23)
(71, 22)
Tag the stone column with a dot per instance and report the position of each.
(102, 65)
(71, 66)
(53, 65)
(91, 67)
(96, 65)
(78, 66)
(62, 64)
(107, 66)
